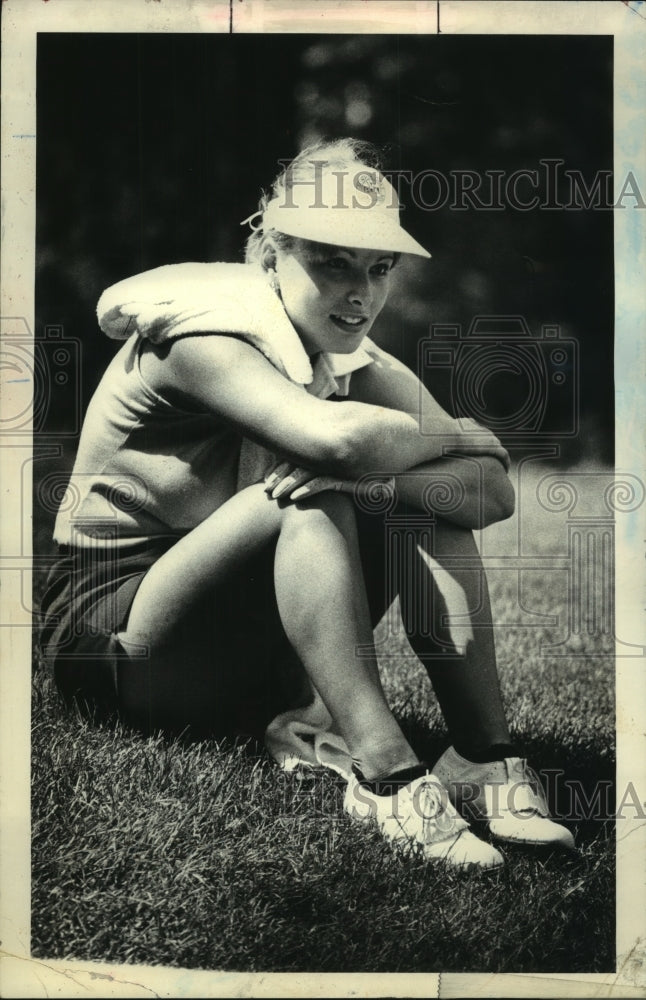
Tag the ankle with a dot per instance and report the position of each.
(391, 784)
(379, 762)
(485, 754)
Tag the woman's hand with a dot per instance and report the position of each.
(286, 481)
(474, 439)
(290, 482)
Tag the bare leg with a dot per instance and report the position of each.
(459, 657)
(467, 684)
(201, 559)
(321, 600)
(324, 609)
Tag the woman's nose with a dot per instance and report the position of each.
(359, 292)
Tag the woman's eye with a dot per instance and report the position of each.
(341, 264)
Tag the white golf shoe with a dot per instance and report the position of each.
(506, 796)
(419, 815)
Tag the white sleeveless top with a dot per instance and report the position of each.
(146, 467)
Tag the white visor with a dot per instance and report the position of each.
(356, 207)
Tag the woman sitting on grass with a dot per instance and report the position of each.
(222, 562)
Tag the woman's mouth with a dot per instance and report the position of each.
(348, 322)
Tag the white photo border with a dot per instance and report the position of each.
(22, 976)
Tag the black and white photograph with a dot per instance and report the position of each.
(324, 425)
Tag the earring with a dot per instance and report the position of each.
(273, 281)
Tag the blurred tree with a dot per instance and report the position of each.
(467, 103)
(152, 148)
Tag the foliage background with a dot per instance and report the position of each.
(152, 149)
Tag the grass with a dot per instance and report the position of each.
(206, 855)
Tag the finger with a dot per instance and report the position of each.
(279, 472)
(296, 478)
(317, 485)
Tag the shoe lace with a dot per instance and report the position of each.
(439, 818)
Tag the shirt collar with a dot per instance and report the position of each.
(179, 299)
(332, 371)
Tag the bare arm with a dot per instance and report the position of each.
(234, 381)
(471, 490)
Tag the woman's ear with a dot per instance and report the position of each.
(268, 254)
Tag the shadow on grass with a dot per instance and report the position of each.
(273, 855)
(579, 782)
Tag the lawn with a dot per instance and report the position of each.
(206, 855)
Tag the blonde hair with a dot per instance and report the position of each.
(337, 153)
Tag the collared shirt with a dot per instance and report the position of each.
(145, 467)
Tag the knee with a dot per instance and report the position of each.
(322, 512)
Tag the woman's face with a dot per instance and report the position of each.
(333, 294)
